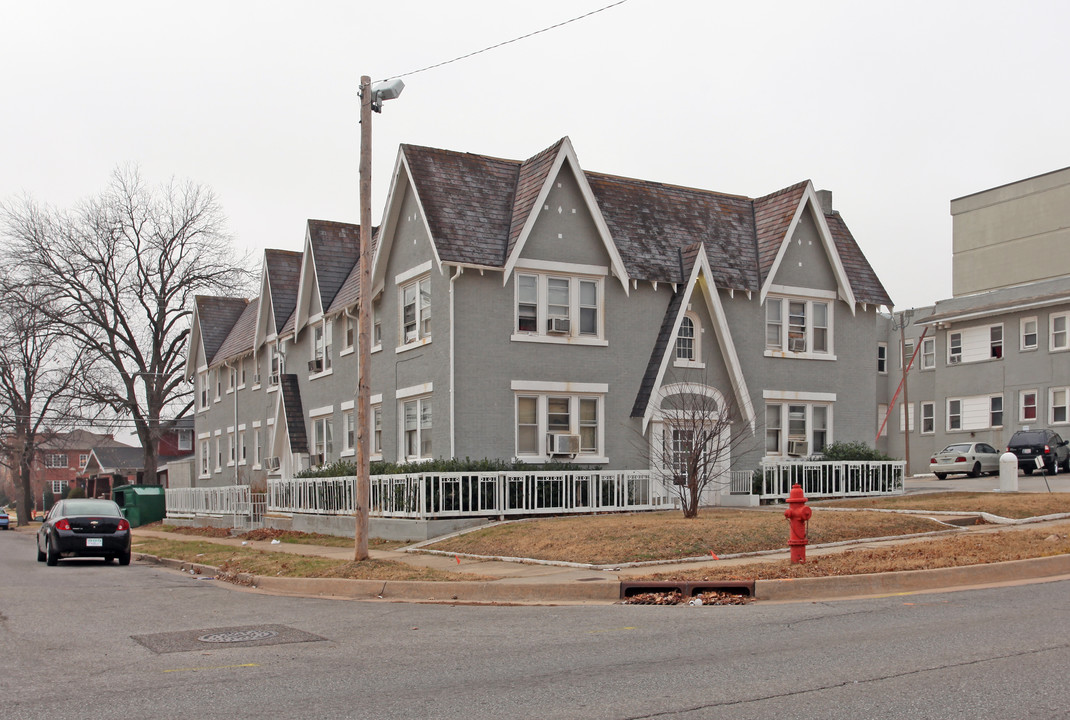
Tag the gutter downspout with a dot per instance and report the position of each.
(453, 429)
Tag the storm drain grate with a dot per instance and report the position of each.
(245, 636)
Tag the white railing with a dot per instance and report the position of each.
(233, 500)
(742, 482)
(832, 479)
(441, 495)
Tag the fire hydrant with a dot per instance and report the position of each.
(797, 514)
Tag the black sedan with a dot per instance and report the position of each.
(84, 527)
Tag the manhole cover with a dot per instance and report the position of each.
(245, 636)
(236, 636)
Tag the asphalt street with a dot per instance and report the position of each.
(143, 641)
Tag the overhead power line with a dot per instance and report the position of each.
(509, 42)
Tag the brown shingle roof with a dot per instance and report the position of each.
(349, 293)
(335, 249)
(241, 337)
(531, 177)
(284, 275)
(468, 200)
(217, 316)
(772, 216)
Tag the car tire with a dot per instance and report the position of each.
(940, 476)
(1066, 466)
(1053, 469)
(124, 558)
(51, 556)
(976, 471)
(40, 555)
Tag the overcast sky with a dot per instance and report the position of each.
(895, 107)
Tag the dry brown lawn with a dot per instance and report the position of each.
(973, 548)
(1018, 505)
(613, 539)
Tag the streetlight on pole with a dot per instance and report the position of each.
(371, 99)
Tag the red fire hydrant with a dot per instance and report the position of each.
(797, 515)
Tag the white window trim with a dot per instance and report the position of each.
(1021, 406)
(413, 276)
(320, 411)
(575, 274)
(949, 353)
(882, 346)
(809, 297)
(413, 391)
(784, 403)
(348, 319)
(1052, 406)
(374, 454)
(1003, 412)
(932, 407)
(795, 396)
(696, 344)
(1051, 332)
(574, 395)
(931, 341)
(1022, 347)
(402, 457)
(948, 413)
(325, 328)
(204, 394)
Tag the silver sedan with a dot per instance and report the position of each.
(971, 459)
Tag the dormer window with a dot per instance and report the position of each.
(321, 348)
(555, 307)
(798, 327)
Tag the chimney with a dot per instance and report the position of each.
(824, 198)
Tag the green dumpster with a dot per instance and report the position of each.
(141, 504)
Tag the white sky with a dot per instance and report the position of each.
(895, 107)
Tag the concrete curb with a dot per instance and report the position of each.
(608, 592)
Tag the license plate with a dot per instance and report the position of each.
(94, 542)
(1027, 451)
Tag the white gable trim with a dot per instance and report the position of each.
(724, 340)
(568, 153)
(263, 331)
(402, 178)
(195, 356)
(809, 200)
(308, 288)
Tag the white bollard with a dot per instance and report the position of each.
(1008, 472)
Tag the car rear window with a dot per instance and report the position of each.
(104, 508)
(1031, 437)
(957, 448)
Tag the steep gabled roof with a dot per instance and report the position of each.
(772, 218)
(115, 460)
(283, 269)
(79, 440)
(349, 293)
(242, 334)
(531, 176)
(216, 317)
(650, 222)
(864, 281)
(335, 248)
(661, 344)
(467, 200)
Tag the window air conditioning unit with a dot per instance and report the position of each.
(797, 344)
(559, 325)
(256, 379)
(798, 447)
(318, 460)
(273, 464)
(954, 360)
(315, 365)
(273, 379)
(562, 444)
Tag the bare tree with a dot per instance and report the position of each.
(120, 272)
(39, 368)
(690, 448)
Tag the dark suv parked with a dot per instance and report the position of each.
(1028, 445)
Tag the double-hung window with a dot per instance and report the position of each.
(322, 439)
(1027, 405)
(882, 358)
(798, 326)
(954, 348)
(689, 342)
(797, 429)
(321, 348)
(928, 353)
(557, 307)
(416, 310)
(995, 411)
(416, 428)
(1058, 402)
(202, 382)
(1059, 332)
(954, 414)
(206, 457)
(56, 460)
(552, 423)
(995, 342)
(928, 418)
(1029, 333)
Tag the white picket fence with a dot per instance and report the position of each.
(441, 495)
(832, 479)
(237, 502)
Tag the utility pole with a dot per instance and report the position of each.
(905, 363)
(363, 489)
